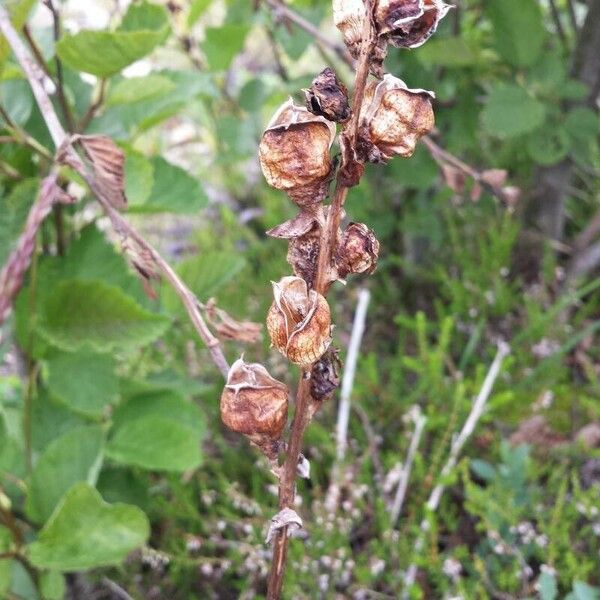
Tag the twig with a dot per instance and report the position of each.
(358, 328)
(116, 589)
(63, 144)
(405, 475)
(281, 10)
(94, 107)
(572, 16)
(558, 24)
(11, 276)
(457, 445)
(60, 88)
(299, 422)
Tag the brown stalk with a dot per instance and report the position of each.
(300, 421)
(65, 150)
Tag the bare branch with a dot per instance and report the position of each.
(66, 150)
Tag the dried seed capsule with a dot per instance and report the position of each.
(358, 251)
(395, 119)
(349, 16)
(328, 97)
(391, 14)
(255, 404)
(294, 153)
(299, 321)
(413, 32)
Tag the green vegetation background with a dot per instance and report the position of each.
(110, 438)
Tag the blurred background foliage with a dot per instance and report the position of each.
(108, 396)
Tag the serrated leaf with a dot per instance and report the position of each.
(205, 274)
(16, 99)
(549, 146)
(222, 44)
(155, 443)
(547, 586)
(18, 11)
(518, 30)
(582, 123)
(73, 457)
(92, 314)
(14, 208)
(447, 52)
(139, 178)
(85, 532)
(105, 53)
(94, 387)
(174, 190)
(510, 111)
(157, 430)
(138, 89)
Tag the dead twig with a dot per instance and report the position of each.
(65, 150)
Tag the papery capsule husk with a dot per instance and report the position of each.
(391, 14)
(294, 153)
(299, 321)
(413, 33)
(328, 97)
(256, 405)
(358, 251)
(348, 17)
(395, 119)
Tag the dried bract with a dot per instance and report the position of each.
(391, 14)
(299, 321)
(414, 32)
(349, 16)
(328, 97)
(358, 251)
(395, 119)
(228, 328)
(255, 404)
(294, 154)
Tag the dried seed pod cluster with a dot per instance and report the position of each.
(256, 405)
(295, 157)
(299, 321)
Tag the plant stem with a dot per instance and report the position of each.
(322, 280)
(64, 145)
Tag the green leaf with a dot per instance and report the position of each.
(18, 11)
(197, 8)
(85, 532)
(5, 563)
(144, 16)
(139, 178)
(52, 585)
(137, 89)
(510, 111)
(155, 443)
(16, 99)
(84, 381)
(447, 52)
(13, 213)
(73, 457)
(547, 586)
(157, 430)
(205, 274)
(92, 314)
(583, 591)
(221, 44)
(483, 469)
(582, 124)
(105, 53)
(174, 190)
(518, 30)
(549, 146)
